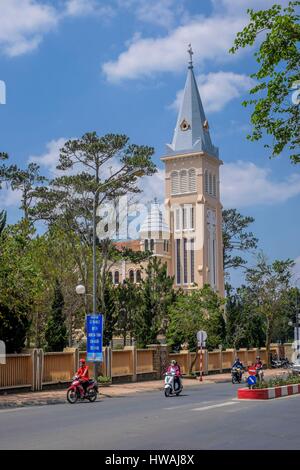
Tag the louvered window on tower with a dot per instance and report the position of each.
(184, 187)
(192, 180)
(175, 182)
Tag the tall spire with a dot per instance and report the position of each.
(192, 131)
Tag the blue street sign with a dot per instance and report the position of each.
(251, 380)
(94, 335)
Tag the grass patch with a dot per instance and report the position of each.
(278, 381)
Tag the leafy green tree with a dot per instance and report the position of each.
(244, 325)
(128, 305)
(275, 112)
(236, 238)
(4, 169)
(269, 284)
(2, 221)
(68, 201)
(21, 284)
(157, 294)
(56, 331)
(202, 309)
(283, 331)
(25, 181)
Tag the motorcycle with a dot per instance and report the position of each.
(236, 375)
(282, 363)
(76, 391)
(172, 387)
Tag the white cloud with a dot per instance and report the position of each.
(23, 23)
(218, 89)
(162, 13)
(9, 198)
(87, 7)
(50, 158)
(238, 7)
(211, 37)
(145, 56)
(245, 184)
(153, 186)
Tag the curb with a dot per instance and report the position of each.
(268, 393)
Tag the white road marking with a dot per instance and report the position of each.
(217, 405)
(186, 405)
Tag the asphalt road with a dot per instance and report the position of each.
(204, 417)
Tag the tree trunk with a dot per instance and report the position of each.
(194, 361)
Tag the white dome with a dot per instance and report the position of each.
(154, 226)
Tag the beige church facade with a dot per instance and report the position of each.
(187, 234)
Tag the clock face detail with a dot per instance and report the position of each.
(184, 126)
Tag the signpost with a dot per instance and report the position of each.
(94, 334)
(201, 338)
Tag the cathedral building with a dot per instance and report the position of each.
(187, 235)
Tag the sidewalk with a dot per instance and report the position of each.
(118, 390)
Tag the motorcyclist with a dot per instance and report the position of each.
(258, 363)
(259, 368)
(83, 374)
(238, 365)
(174, 367)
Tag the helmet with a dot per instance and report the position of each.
(82, 361)
(257, 357)
(173, 362)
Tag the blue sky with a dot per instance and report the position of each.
(72, 66)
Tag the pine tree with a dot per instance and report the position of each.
(56, 331)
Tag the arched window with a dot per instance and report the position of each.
(110, 276)
(131, 275)
(117, 277)
(146, 245)
(206, 186)
(138, 276)
(174, 182)
(151, 245)
(184, 187)
(214, 188)
(192, 180)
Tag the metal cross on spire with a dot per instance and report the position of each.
(190, 52)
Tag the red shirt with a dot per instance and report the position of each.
(175, 368)
(83, 373)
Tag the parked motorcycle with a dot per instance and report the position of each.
(282, 363)
(172, 386)
(236, 375)
(76, 392)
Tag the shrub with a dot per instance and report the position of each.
(279, 381)
(104, 379)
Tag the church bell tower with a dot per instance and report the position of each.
(192, 190)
